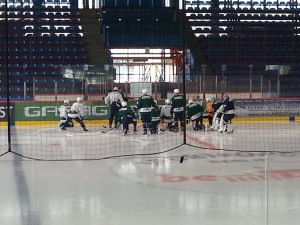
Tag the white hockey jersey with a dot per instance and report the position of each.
(76, 110)
(113, 97)
(63, 111)
(166, 111)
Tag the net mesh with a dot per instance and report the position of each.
(160, 50)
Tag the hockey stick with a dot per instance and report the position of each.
(243, 107)
(105, 131)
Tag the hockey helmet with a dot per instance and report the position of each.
(115, 89)
(209, 99)
(79, 99)
(191, 101)
(225, 96)
(176, 91)
(124, 104)
(168, 101)
(66, 101)
(144, 91)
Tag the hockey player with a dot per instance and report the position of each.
(63, 114)
(216, 118)
(76, 113)
(127, 116)
(114, 100)
(209, 113)
(155, 119)
(194, 112)
(144, 105)
(177, 108)
(166, 115)
(226, 114)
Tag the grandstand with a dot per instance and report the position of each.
(233, 42)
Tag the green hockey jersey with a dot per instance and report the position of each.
(155, 115)
(145, 103)
(177, 103)
(194, 111)
(126, 112)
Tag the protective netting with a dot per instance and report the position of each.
(230, 84)
(260, 124)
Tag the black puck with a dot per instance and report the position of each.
(181, 159)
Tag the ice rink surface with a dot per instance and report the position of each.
(210, 187)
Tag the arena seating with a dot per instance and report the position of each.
(44, 38)
(41, 39)
(238, 34)
(140, 27)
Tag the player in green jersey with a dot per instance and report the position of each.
(144, 105)
(194, 113)
(126, 116)
(177, 108)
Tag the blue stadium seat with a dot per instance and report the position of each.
(134, 3)
(158, 3)
(121, 3)
(109, 3)
(146, 3)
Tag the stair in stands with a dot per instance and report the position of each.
(93, 40)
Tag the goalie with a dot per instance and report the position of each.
(225, 114)
(126, 116)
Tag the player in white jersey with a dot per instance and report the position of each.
(114, 101)
(76, 113)
(63, 114)
(166, 115)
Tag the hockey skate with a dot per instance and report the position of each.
(230, 128)
(216, 127)
(85, 130)
(174, 129)
(223, 129)
(207, 127)
(125, 132)
(145, 132)
(154, 131)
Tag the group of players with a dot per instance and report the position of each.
(75, 113)
(173, 113)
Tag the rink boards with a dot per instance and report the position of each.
(96, 112)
